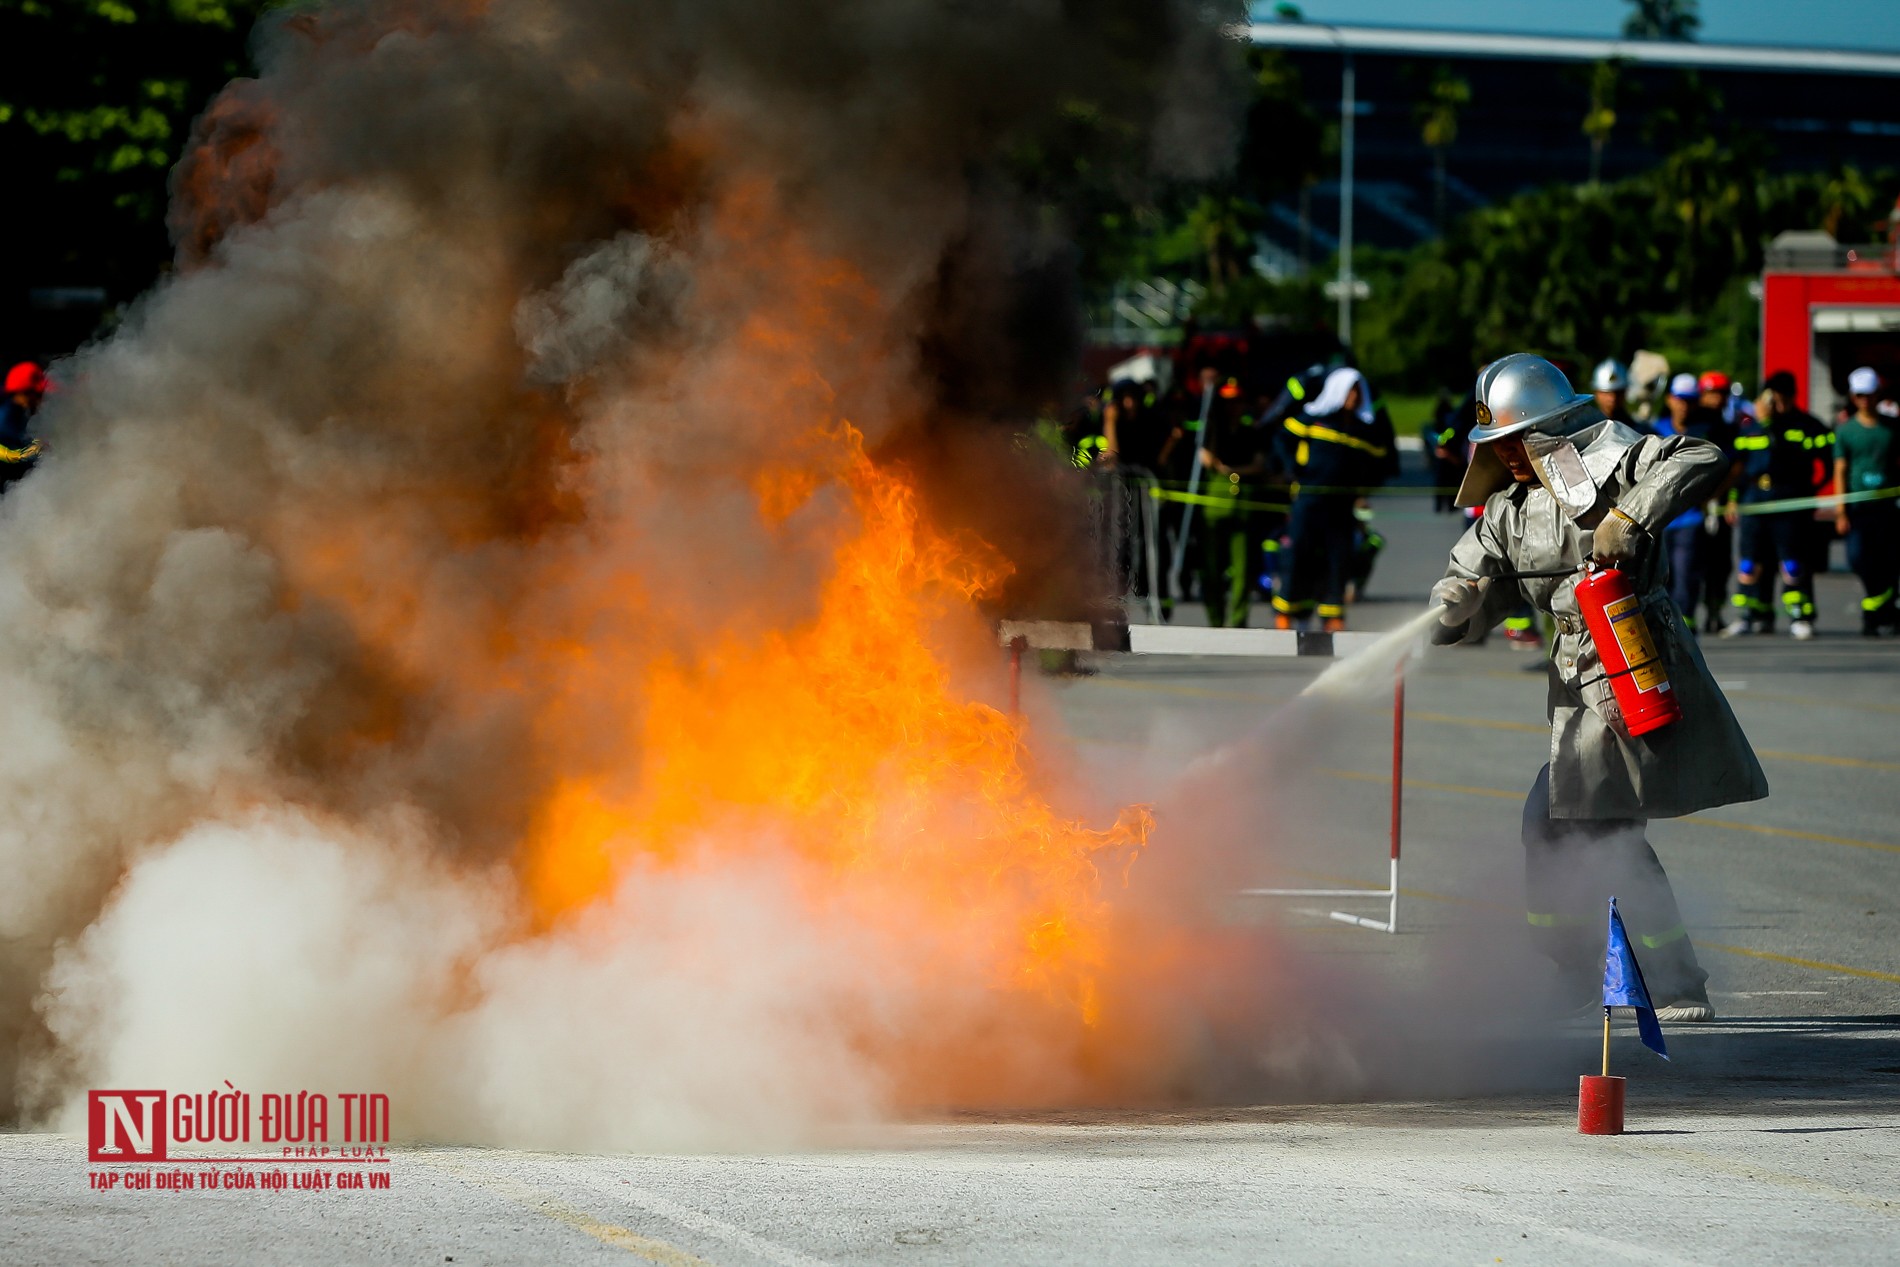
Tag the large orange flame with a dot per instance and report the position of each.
(848, 733)
(846, 739)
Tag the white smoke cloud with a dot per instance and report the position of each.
(345, 538)
(286, 954)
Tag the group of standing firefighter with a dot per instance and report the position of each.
(1768, 522)
(1261, 496)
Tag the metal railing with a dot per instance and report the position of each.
(1816, 253)
(1126, 529)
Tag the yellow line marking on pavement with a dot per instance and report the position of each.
(1819, 965)
(1486, 723)
(654, 1251)
(1723, 824)
(1779, 698)
(1815, 758)
(1761, 1174)
(1323, 877)
(1481, 723)
(1425, 786)
(1806, 758)
(1181, 688)
(1791, 834)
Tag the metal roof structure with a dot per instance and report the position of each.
(1417, 42)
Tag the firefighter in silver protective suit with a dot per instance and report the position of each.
(1560, 484)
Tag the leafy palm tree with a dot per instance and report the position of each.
(1846, 198)
(1600, 120)
(1662, 20)
(1447, 95)
(1220, 227)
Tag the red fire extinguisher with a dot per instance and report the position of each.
(1614, 616)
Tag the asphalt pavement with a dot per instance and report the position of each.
(1423, 1108)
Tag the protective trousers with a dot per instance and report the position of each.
(1684, 543)
(1718, 561)
(1873, 551)
(1322, 528)
(1768, 543)
(1226, 568)
(1572, 868)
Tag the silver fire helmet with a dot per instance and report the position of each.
(1527, 396)
(1521, 392)
(1610, 376)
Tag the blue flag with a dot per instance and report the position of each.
(1623, 985)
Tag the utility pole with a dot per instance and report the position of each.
(1346, 287)
(1348, 108)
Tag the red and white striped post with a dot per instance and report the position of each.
(1016, 647)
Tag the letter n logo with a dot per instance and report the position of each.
(125, 1126)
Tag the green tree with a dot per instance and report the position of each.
(1662, 20)
(1662, 260)
(1129, 230)
(1600, 120)
(95, 108)
(1847, 202)
(1437, 114)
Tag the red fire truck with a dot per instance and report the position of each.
(1827, 308)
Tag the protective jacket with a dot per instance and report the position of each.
(19, 451)
(1701, 761)
(1339, 452)
(1790, 455)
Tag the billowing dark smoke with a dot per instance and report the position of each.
(497, 330)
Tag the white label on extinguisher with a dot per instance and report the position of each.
(1632, 635)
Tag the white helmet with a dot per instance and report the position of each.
(1610, 376)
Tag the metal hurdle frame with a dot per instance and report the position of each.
(1391, 892)
(1021, 635)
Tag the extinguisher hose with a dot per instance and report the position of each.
(1537, 575)
(1606, 675)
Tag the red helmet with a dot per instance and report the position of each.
(26, 377)
(1713, 381)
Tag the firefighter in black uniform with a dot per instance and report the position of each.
(1785, 452)
(1233, 462)
(19, 450)
(1445, 439)
(1338, 450)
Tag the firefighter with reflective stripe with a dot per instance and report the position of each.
(1300, 388)
(1090, 450)
(1867, 460)
(19, 450)
(1718, 532)
(1340, 448)
(1785, 453)
(1233, 461)
(1444, 438)
(1561, 484)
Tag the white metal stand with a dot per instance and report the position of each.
(1020, 635)
(1391, 892)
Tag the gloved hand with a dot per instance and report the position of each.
(1618, 538)
(1461, 599)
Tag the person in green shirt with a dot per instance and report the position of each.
(1866, 458)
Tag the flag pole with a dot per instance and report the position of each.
(1606, 1042)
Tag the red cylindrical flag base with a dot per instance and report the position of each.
(1599, 1105)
